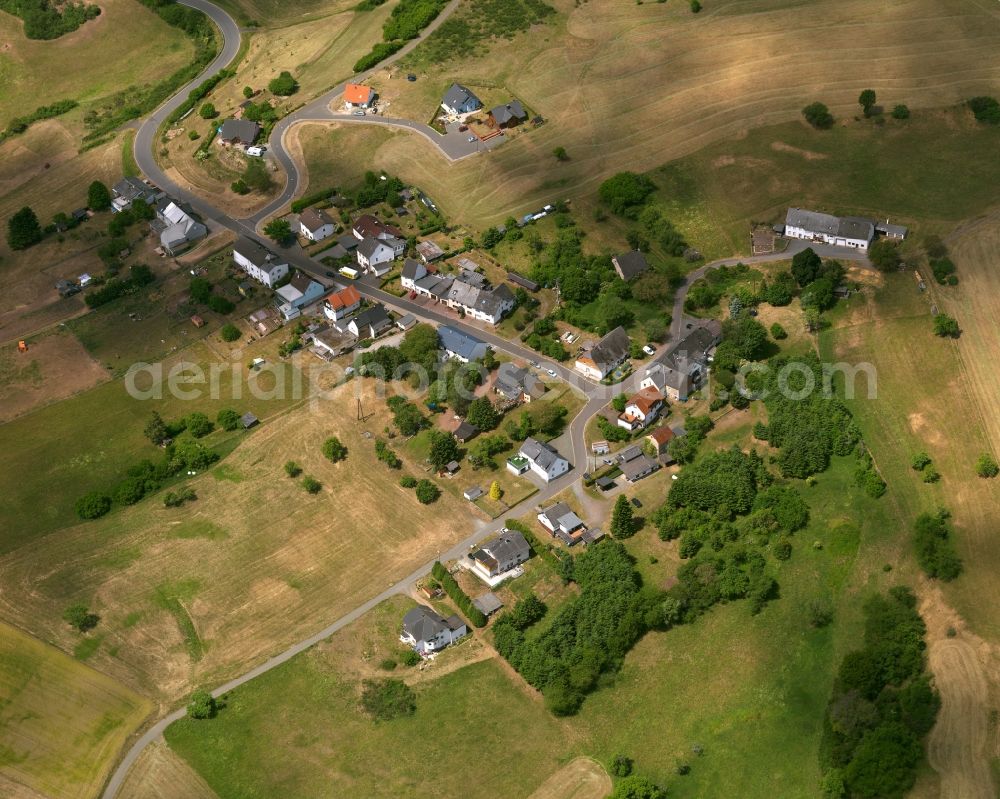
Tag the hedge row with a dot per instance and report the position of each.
(20, 124)
(379, 52)
(198, 92)
(458, 596)
(304, 202)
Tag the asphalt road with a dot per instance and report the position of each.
(597, 395)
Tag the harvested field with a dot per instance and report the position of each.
(582, 778)
(61, 723)
(161, 774)
(55, 366)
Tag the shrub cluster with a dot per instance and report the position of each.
(139, 275)
(458, 596)
(934, 547)
(45, 20)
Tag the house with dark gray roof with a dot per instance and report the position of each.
(375, 256)
(606, 355)
(508, 115)
(128, 190)
(239, 131)
(370, 322)
(839, 231)
(459, 100)
(630, 264)
(501, 554)
(258, 262)
(517, 384)
(897, 232)
(635, 464)
(428, 632)
(460, 345)
(541, 458)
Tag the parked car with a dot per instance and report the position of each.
(462, 128)
(649, 350)
(472, 139)
(533, 363)
(552, 373)
(255, 151)
(636, 503)
(329, 273)
(411, 77)
(359, 113)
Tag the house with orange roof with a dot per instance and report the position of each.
(358, 96)
(342, 303)
(642, 409)
(660, 438)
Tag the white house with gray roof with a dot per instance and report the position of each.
(460, 345)
(459, 100)
(543, 459)
(499, 555)
(839, 231)
(258, 262)
(428, 632)
(606, 355)
(375, 256)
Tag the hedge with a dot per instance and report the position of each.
(21, 124)
(379, 52)
(458, 596)
(304, 202)
(198, 92)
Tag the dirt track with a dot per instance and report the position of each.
(960, 746)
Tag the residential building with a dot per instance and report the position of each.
(660, 438)
(239, 131)
(606, 355)
(543, 459)
(641, 409)
(682, 369)
(370, 322)
(406, 322)
(412, 272)
(348, 241)
(358, 96)
(459, 100)
(517, 384)
(460, 345)
(129, 190)
(429, 251)
(560, 518)
(375, 256)
(840, 231)
(342, 303)
(630, 264)
(471, 293)
(316, 225)
(177, 228)
(428, 632)
(295, 295)
(897, 232)
(501, 554)
(329, 342)
(258, 262)
(465, 432)
(635, 464)
(368, 226)
(508, 115)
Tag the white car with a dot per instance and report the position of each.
(551, 373)
(255, 151)
(649, 350)
(471, 139)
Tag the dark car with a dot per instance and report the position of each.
(411, 77)
(636, 502)
(329, 273)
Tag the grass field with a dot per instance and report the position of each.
(582, 778)
(735, 66)
(76, 66)
(260, 744)
(197, 594)
(61, 723)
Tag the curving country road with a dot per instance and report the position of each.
(597, 395)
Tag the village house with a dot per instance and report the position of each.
(295, 295)
(177, 229)
(517, 384)
(507, 116)
(428, 632)
(239, 131)
(429, 251)
(660, 438)
(563, 524)
(606, 355)
(459, 101)
(329, 342)
(357, 95)
(258, 262)
(370, 322)
(641, 409)
(683, 368)
(342, 303)
(635, 464)
(630, 264)
(673, 383)
(478, 299)
(840, 231)
(129, 190)
(368, 226)
(316, 224)
(499, 555)
(540, 458)
(375, 256)
(461, 346)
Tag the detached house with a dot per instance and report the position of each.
(675, 383)
(367, 226)
(507, 116)
(375, 256)
(499, 555)
(606, 355)
(517, 384)
(341, 303)
(129, 190)
(258, 262)
(316, 225)
(370, 322)
(635, 464)
(840, 231)
(299, 292)
(630, 264)
(642, 409)
(460, 345)
(428, 632)
(540, 458)
(459, 100)
(359, 96)
(177, 228)
(239, 131)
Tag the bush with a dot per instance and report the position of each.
(311, 484)
(935, 550)
(820, 613)
(408, 482)
(283, 85)
(93, 505)
(427, 492)
(228, 419)
(207, 111)
(626, 192)
(220, 304)
(946, 327)
(920, 461)
(986, 109)
(621, 766)
(409, 17)
(202, 705)
(388, 664)
(230, 332)
(333, 450)
(778, 332)
(986, 466)
(198, 424)
(384, 700)
(410, 658)
(176, 499)
(900, 112)
(80, 618)
(818, 115)
(292, 469)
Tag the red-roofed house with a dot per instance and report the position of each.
(660, 438)
(642, 409)
(358, 96)
(342, 303)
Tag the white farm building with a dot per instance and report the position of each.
(839, 231)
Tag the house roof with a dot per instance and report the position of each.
(513, 380)
(629, 453)
(413, 270)
(302, 282)
(344, 298)
(852, 227)
(898, 231)
(508, 545)
(248, 419)
(458, 96)
(424, 624)
(562, 517)
(314, 219)
(661, 435)
(255, 252)
(461, 343)
(473, 493)
(245, 131)
(358, 94)
(637, 467)
(374, 317)
(540, 452)
(631, 264)
(429, 250)
(488, 603)
(512, 110)
(521, 280)
(465, 431)
(369, 246)
(347, 241)
(645, 399)
(611, 349)
(368, 225)
(664, 376)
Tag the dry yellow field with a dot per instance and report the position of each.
(61, 722)
(159, 774)
(582, 778)
(195, 595)
(628, 86)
